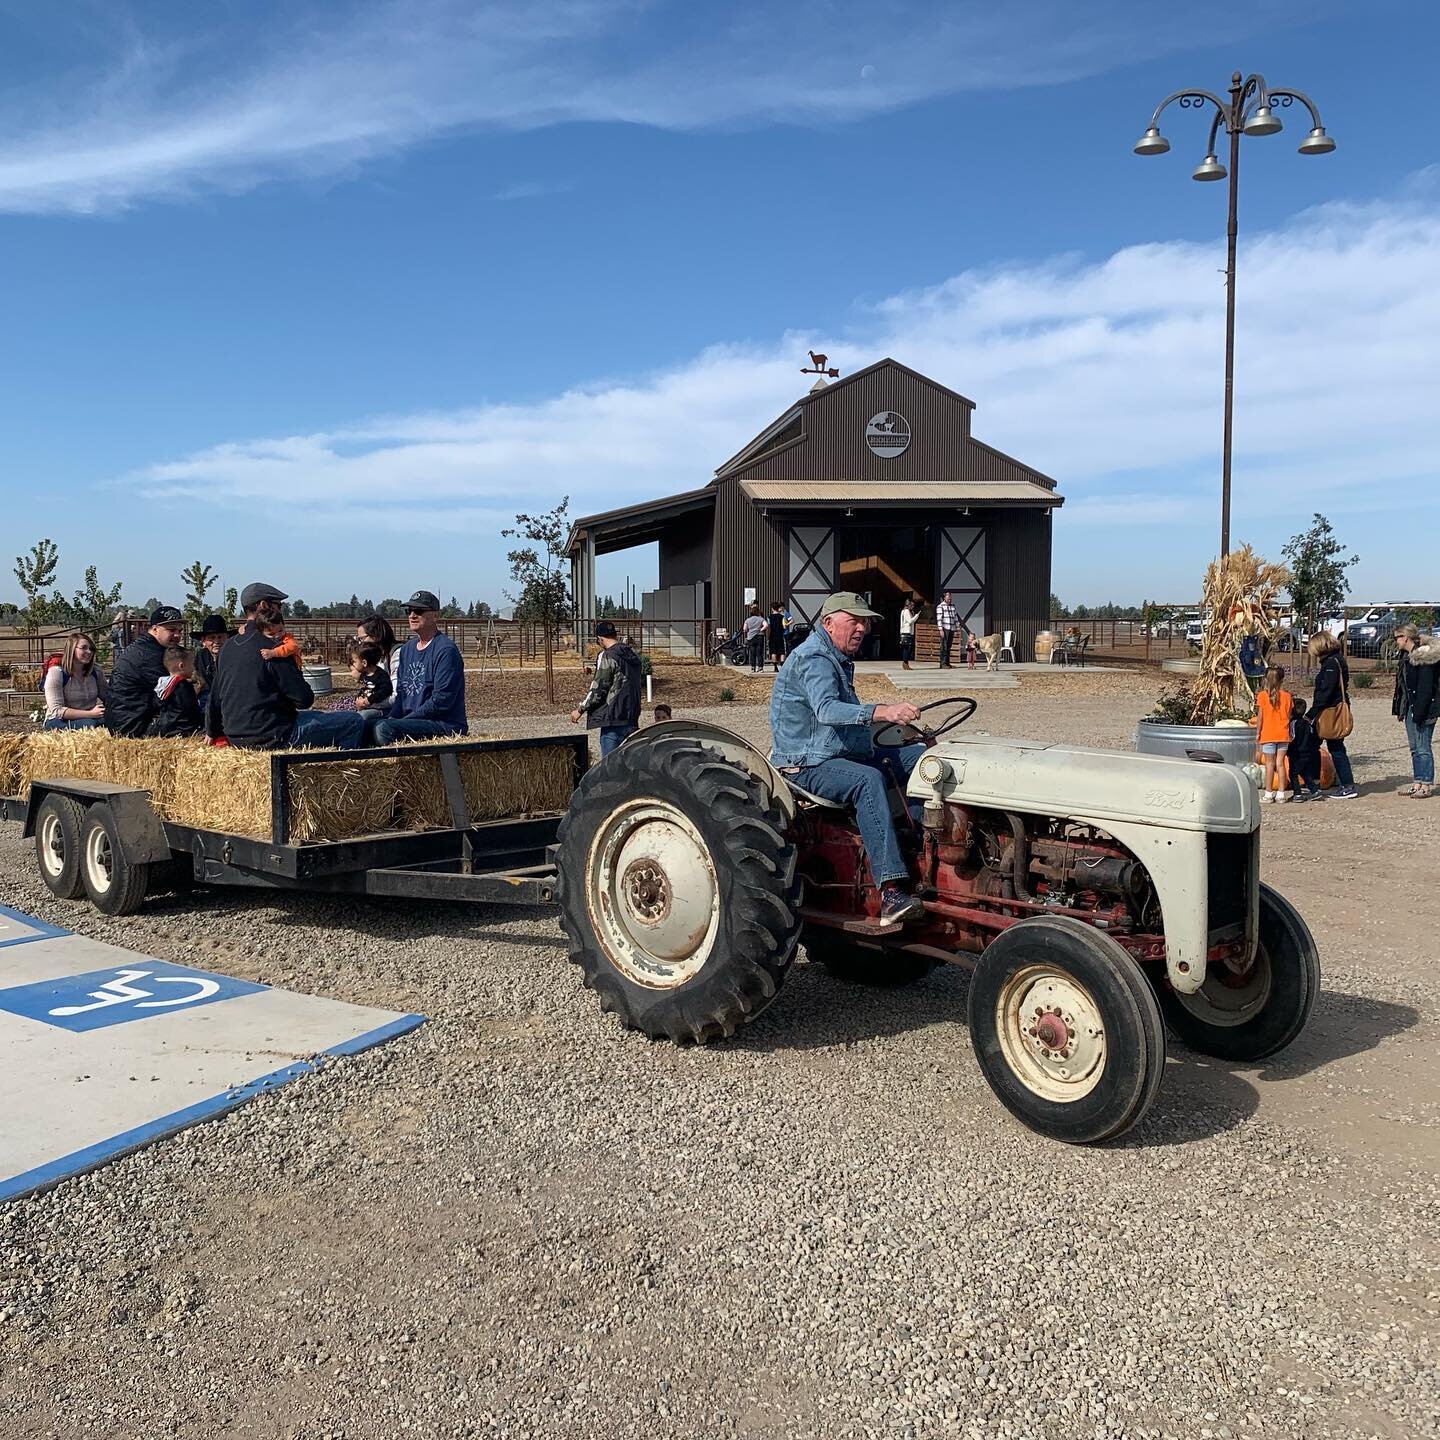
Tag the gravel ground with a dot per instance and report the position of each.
(523, 1221)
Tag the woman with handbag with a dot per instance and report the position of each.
(1416, 702)
(1331, 709)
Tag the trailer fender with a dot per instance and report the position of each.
(142, 833)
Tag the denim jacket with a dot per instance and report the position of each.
(815, 714)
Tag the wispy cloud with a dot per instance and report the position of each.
(531, 190)
(172, 116)
(1105, 375)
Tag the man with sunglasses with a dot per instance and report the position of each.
(429, 681)
(261, 704)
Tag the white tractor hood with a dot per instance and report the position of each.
(1092, 784)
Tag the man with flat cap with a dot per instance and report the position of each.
(429, 679)
(130, 701)
(821, 741)
(261, 704)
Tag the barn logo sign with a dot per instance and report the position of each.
(887, 434)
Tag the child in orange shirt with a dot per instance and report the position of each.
(288, 647)
(1273, 710)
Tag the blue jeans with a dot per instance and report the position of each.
(85, 722)
(1422, 757)
(861, 781)
(387, 732)
(324, 729)
(1344, 775)
(612, 735)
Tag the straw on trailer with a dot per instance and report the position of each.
(497, 783)
(12, 748)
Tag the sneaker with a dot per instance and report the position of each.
(1300, 797)
(896, 906)
(1317, 795)
(1267, 797)
(1284, 795)
(1345, 792)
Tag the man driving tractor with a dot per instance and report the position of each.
(821, 741)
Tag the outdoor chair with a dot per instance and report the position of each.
(1007, 647)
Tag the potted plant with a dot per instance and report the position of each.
(1211, 712)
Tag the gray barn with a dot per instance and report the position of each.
(871, 483)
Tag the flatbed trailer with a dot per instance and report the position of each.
(105, 840)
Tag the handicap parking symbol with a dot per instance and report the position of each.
(120, 994)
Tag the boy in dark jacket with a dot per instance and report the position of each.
(612, 704)
(177, 709)
(1304, 754)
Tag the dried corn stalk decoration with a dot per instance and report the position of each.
(1239, 601)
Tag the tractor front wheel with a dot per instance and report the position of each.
(1066, 1029)
(1245, 1016)
(677, 889)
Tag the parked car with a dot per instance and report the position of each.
(1370, 636)
(1194, 630)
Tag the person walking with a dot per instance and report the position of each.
(776, 624)
(948, 619)
(1416, 703)
(1273, 709)
(753, 634)
(612, 704)
(909, 614)
(75, 688)
(1332, 690)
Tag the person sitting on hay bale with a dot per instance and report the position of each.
(261, 704)
(213, 634)
(131, 705)
(178, 706)
(429, 674)
(75, 689)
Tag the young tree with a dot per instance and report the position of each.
(1318, 563)
(538, 568)
(94, 606)
(201, 579)
(231, 607)
(35, 572)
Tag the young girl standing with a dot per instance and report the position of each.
(1273, 707)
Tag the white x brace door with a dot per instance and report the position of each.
(962, 572)
(809, 570)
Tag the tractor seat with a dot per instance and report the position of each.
(818, 801)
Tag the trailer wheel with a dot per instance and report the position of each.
(115, 885)
(1254, 1014)
(1066, 1029)
(858, 964)
(57, 845)
(677, 890)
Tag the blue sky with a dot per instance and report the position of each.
(324, 295)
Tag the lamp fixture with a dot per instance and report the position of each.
(1152, 142)
(1209, 168)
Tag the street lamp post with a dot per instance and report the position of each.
(1250, 110)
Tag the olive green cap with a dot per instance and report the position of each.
(848, 602)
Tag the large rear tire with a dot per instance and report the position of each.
(115, 884)
(57, 845)
(1248, 1016)
(1066, 1030)
(677, 890)
(848, 960)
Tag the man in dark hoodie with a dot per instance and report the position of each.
(131, 703)
(612, 704)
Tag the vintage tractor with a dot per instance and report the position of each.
(1097, 895)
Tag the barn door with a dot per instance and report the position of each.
(809, 570)
(962, 572)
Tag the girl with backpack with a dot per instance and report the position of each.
(75, 688)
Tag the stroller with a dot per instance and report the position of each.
(726, 648)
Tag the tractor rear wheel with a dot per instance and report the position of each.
(678, 890)
(848, 960)
(1248, 1016)
(1066, 1029)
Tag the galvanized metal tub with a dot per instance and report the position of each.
(1235, 744)
(318, 678)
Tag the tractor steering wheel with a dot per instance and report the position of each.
(912, 732)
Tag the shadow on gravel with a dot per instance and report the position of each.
(1340, 1025)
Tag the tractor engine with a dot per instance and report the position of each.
(1033, 863)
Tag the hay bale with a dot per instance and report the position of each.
(498, 783)
(96, 755)
(12, 749)
(27, 681)
(229, 789)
